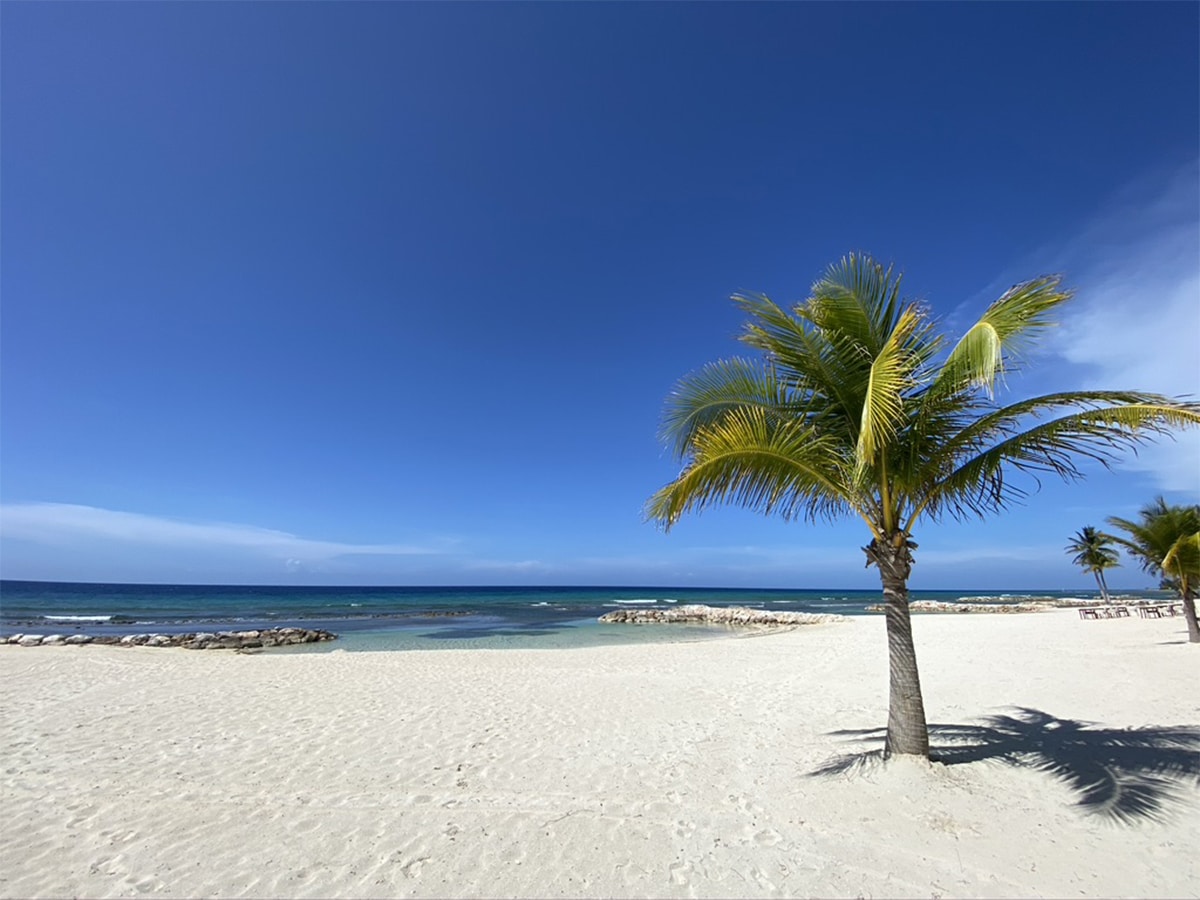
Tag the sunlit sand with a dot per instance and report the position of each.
(732, 768)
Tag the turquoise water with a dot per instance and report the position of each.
(580, 633)
(408, 618)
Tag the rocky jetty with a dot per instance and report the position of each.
(192, 640)
(1047, 602)
(717, 615)
(942, 606)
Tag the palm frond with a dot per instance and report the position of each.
(978, 485)
(890, 378)
(701, 398)
(1183, 559)
(1159, 529)
(1138, 544)
(802, 357)
(981, 429)
(857, 300)
(1093, 549)
(770, 327)
(1004, 330)
(758, 462)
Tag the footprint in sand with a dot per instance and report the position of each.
(681, 872)
(147, 885)
(413, 869)
(684, 829)
(768, 837)
(746, 805)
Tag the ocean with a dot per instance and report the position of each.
(411, 618)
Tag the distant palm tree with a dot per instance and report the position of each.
(858, 409)
(1167, 541)
(1094, 553)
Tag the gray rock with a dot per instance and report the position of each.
(204, 640)
(719, 615)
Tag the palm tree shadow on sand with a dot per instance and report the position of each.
(1123, 774)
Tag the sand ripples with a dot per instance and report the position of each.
(673, 770)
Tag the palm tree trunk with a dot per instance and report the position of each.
(1189, 613)
(907, 731)
(1103, 585)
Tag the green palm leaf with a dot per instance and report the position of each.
(1160, 539)
(890, 376)
(701, 398)
(857, 302)
(1005, 329)
(1183, 559)
(977, 485)
(765, 464)
(802, 358)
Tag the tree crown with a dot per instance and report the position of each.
(858, 405)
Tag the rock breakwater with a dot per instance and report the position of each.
(718, 615)
(192, 640)
(942, 606)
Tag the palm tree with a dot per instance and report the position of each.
(858, 409)
(1094, 553)
(1167, 541)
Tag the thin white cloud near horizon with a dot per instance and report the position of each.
(66, 523)
(75, 542)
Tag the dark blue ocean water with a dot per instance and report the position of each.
(405, 617)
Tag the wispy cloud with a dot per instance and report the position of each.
(67, 524)
(1135, 320)
(511, 567)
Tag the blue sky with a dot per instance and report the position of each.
(391, 293)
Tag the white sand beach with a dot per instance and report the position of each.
(674, 770)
